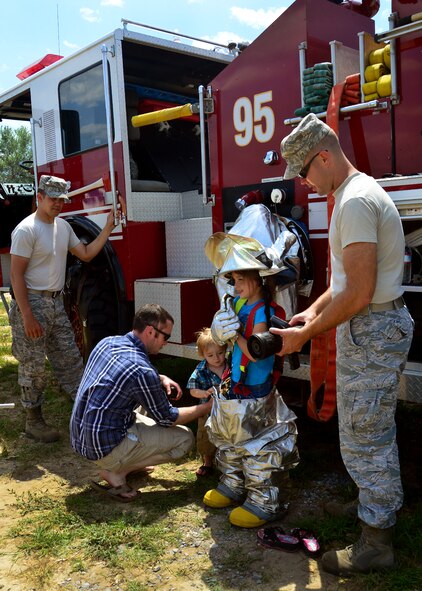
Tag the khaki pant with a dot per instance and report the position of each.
(203, 444)
(145, 440)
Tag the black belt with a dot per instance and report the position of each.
(385, 307)
(45, 293)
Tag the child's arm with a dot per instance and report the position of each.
(243, 343)
(198, 384)
(200, 393)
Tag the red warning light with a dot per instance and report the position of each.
(42, 63)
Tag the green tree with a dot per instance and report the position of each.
(15, 146)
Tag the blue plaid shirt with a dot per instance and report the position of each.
(203, 378)
(118, 378)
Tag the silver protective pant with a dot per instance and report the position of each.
(371, 354)
(256, 442)
(57, 344)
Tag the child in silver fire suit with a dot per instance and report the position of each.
(250, 425)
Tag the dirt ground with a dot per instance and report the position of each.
(287, 572)
(200, 562)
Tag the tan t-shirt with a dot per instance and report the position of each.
(364, 212)
(46, 246)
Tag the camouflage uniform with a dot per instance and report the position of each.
(372, 346)
(371, 354)
(57, 343)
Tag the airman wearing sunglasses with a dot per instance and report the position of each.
(374, 332)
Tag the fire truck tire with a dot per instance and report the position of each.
(98, 303)
(95, 294)
(91, 303)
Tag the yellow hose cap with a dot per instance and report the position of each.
(369, 87)
(386, 56)
(376, 56)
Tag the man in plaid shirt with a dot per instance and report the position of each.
(107, 425)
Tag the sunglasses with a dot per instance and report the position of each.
(166, 335)
(304, 172)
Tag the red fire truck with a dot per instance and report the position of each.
(113, 119)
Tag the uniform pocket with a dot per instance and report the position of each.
(372, 413)
(351, 348)
(398, 329)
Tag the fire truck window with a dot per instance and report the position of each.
(82, 111)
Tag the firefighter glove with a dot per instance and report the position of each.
(224, 326)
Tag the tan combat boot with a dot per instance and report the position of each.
(373, 551)
(36, 428)
(346, 510)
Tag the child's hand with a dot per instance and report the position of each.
(212, 391)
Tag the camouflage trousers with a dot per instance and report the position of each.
(57, 344)
(371, 354)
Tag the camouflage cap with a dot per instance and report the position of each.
(297, 145)
(53, 186)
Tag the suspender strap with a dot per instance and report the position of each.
(248, 332)
(278, 362)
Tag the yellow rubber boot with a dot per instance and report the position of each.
(213, 498)
(243, 518)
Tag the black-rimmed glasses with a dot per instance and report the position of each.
(166, 335)
(304, 172)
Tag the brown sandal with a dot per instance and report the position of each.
(116, 492)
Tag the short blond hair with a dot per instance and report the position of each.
(204, 339)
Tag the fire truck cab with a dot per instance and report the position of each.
(81, 110)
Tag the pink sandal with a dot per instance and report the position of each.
(275, 537)
(308, 541)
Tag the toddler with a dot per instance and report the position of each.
(206, 375)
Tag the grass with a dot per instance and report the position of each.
(74, 527)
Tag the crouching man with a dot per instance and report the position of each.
(105, 426)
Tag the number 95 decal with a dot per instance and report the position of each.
(253, 120)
